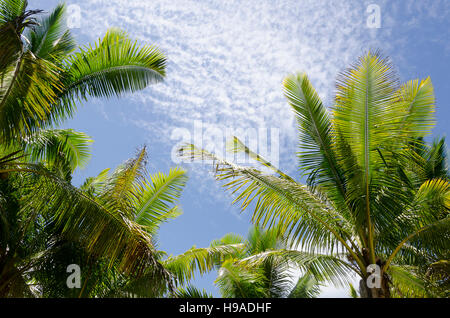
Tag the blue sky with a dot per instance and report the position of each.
(227, 60)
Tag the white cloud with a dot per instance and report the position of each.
(227, 59)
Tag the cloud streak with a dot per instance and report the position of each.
(227, 59)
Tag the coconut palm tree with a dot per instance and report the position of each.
(247, 268)
(146, 201)
(370, 200)
(42, 79)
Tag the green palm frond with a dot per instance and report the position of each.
(406, 282)
(83, 220)
(433, 161)
(201, 260)
(416, 100)
(236, 282)
(58, 147)
(122, 187)
(95, 185)
(236, 146)
(11, 10)
(324, 268)
(51, 40)
(260, 240)
(114, 66)
(375, 189)
(317, 156)
(304, 217)
(353, 293)
(154, 200)
(306, 287)
(27, 93)
(229, 238)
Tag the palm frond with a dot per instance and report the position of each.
(302, 215)
(122, 188)
(58, 147)
(201, 260)
(81, 219)
(51, 40)
(154, 200)
(114, 66)
(406, 282)
(317, 156)
(27, 93)
(11, 10)
(236, 282)
(306, 287)
(95, 185)
(324, 268)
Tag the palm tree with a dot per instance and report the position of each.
(370, 200)
(42, 79)
(146, 201)
(24, 235)
(251, 268)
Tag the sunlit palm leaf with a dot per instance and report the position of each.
(84, 220)
(59, 147)
(51, 40)
(155, 200)
(114, 66)
(203, 260)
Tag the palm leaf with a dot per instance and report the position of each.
(154, 201)
(59, 146)
(86, 221)
(114, 66)
(51, 40)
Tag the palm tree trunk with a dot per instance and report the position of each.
(367, 292)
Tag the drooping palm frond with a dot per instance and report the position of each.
(201, 260)
(114, 66)
(303, 216)
(58, 147)
(81, 219)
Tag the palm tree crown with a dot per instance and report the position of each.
(375, 192)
